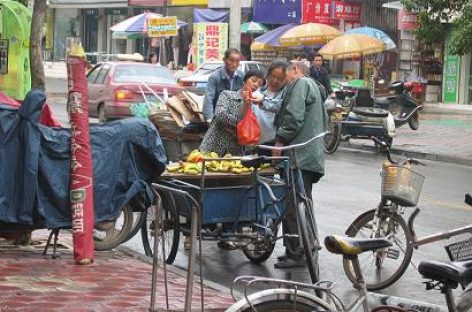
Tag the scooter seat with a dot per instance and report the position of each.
(382, 102)
(370, 112)
(459, 272)
(351, 247)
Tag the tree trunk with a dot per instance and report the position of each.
(36, 58)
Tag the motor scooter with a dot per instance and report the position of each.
(356, 114)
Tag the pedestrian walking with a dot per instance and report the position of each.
(302, 117)
(320, 74)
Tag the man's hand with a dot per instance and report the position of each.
(257, 99)
(277, 153)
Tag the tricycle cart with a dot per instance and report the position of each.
(242, 211)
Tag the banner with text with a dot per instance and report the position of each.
(211, 40)
(277, 11)
(318, 11)
(162, 26)
(347, 10)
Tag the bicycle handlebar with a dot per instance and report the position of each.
(293, 146)
(387, 150)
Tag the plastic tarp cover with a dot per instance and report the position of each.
(35, 160)
(210, 16)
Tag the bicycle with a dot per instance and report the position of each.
(256, 237)
(401, 188)
(288, 296)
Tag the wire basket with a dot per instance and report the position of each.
(401, 185)
(460, 251)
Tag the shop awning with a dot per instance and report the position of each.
(87, 4)
(271, 38)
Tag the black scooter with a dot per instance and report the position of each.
(403, 106)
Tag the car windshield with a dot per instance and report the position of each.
(147, 74)
(208, 68)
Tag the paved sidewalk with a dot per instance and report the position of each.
(441, 136)
(117, 281)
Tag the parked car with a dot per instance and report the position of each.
(114, 86)
(198, 80)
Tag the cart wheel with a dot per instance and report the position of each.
(109, 234)
(261, 250)
(170, 227)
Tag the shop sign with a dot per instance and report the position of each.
(347, 10)
(91, 12)
(277, 11)
(146, 3)
(451, 75)
(318, 11)
(407, 20)
(162, 26)
(188, 2)
(116, 11)
(211, 41)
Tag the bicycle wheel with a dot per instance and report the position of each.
(109, 234)
(170, 229)
(383, 267)
(332, 139)
(260, 249)
(309, 237)
(280, 300)
(139, 216)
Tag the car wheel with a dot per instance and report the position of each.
(102, 114)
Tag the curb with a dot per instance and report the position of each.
(414, 154)
(131, 253)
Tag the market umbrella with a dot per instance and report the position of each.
(136, 26)
(271, 38)
(376, 33)
(308, 34)
(253, 28)
(349, 46)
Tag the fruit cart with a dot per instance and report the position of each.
(242, 204)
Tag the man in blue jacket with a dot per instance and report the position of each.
(228, 77)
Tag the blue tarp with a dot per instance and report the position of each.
(34, 166)
(272, 37)
(210, 16)
(277, 11)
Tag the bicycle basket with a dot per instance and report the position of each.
(460, 251)
(401, 185)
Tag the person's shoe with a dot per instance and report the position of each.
(290, 263)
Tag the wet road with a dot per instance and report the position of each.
(351, 187)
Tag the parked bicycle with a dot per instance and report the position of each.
(401, 187)
(286, 295)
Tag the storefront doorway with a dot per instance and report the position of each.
(90, 30)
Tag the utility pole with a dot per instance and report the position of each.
(162, 41)
(235, 24)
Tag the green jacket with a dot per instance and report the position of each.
(302, 117)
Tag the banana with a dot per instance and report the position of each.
(173, 168)
(266, 165)
(191, 171)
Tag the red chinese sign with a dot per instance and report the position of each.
(318, 11)
(407, 20)
(211, 41)
(347, 10)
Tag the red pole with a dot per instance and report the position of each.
(81, 167)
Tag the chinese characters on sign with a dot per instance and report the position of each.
(407, 20)
(277, 11)
(451, 75)
(318, 11)
(347, 10)
(211, 41)
(162, 26)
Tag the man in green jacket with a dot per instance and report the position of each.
(302, 117)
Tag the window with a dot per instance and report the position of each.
(92, 75)
(102, 75)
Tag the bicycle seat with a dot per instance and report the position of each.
(254, 161)
(351, 247)
(458, 272)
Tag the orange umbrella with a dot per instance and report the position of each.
(309, 34)
(352, 46)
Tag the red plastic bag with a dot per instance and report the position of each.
(248, 130)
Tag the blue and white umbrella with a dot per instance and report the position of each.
(376, 33)
(136, 26)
